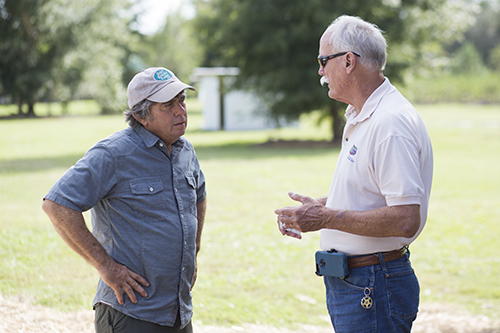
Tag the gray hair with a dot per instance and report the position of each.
(142, 110)
(350, 33)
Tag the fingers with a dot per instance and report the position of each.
(121, 279)
(135, 283)
(129, 287)
(119, 295)
(292, 234)
(299, 197)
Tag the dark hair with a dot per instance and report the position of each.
(141, 110)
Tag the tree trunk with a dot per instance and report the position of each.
(31, 110)
(337, 123)
(20, 108)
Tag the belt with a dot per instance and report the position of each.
(373, 259)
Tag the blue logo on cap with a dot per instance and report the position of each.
(162, 75)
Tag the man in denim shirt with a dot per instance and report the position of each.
(148, 200)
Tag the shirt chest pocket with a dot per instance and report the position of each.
(191, 180)
(147, 190)
(191, 191)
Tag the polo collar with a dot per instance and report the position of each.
(370, 105)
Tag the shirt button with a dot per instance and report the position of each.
(183, 268)
(161, 144)
(151, 189)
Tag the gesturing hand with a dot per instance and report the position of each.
(310, 216)
(121, 279)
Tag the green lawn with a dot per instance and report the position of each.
(248, 272)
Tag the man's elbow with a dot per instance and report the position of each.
(409, 220)
(410, 231)
(48, 206)
(411, 226)
(53, 210)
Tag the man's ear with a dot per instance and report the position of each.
(143, 121)
(350, 62)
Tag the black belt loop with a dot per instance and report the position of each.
(407, 247)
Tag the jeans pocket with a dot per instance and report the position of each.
(403, 293)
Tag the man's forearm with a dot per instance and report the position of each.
(313, 215)
(70, 225)
(394, 221)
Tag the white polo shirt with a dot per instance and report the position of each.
(385, 160)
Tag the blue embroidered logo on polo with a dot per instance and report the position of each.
(352, 152)
(162, 75)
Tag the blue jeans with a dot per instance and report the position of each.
(393, 288)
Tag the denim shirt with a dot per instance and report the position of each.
(144, 214)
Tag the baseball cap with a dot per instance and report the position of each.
(156, 84)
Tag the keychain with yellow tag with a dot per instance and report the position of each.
(367, 301)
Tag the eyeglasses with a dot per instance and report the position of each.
(323, 60)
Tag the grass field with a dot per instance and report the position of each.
(248, 272)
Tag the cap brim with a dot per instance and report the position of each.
(169, 91)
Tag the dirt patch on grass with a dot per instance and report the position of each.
(19, 315)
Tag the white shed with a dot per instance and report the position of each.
(225, 109)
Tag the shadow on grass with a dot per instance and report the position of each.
(26, 165)
(246, 151)
(234, 151)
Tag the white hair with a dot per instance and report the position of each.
(352, 34)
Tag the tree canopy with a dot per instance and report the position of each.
(49, 47)
(275, 43)
(173, 46)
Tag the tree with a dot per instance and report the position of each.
(275, 43)
(485, 32)
(49, 47)
(102, 54)
(467, 60)
(173, 46)
(30, 46)
(495, 58)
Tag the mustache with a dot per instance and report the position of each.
(323, 81)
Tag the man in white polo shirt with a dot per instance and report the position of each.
(378, 199)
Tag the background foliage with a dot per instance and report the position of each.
(60, 50)
(275, 43)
